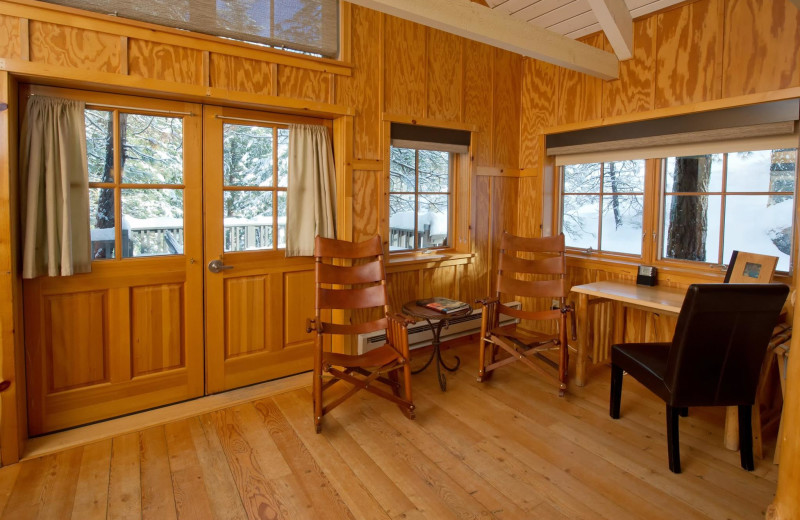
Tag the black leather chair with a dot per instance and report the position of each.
(714, 358)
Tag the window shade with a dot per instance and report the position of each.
(304, 25)
(754, 127)
(430, 138)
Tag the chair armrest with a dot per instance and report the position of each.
(397, 332)
(311, 325)
(488, 300)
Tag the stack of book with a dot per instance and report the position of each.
(443, 305)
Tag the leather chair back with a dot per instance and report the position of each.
(722, 333)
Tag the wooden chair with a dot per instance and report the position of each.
(540, 275)
(351, 276)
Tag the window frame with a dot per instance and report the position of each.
(653, 222)
(450, 193)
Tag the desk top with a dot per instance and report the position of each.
(657, 299)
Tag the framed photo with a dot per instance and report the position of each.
(750, 268)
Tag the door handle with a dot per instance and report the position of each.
(216, 266)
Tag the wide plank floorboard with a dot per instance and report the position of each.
(506, 449)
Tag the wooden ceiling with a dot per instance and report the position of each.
(571, 18)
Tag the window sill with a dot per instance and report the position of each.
(400, 261)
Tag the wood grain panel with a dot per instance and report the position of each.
(76, 343)
(402, 287)
(10, 44)
(529, 207)
(760, 50)
(634, 91)
(440, 281)
(166, 62)
(240, 74)
(247, 308)
(505, 191)
(444, 75)
(404, 70)
(157, 328)
(361, 90)
(482, 240)
(689, 54)
(295, 82)
(580, 95)
(538, 104)
(477, 106)
(367, 200)
(299, 304)
(506, 103)
(73, 47)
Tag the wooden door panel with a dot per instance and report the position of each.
(157, 328)
(69, 335)
(247, 308)
(299, 299)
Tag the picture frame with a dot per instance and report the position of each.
(747, 267)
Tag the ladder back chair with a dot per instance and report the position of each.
(351, 276)
(542, 275)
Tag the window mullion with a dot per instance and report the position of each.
(117, 140)
(416, 200)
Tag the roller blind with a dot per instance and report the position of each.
(754, 127)
(303, 25)
(430, 138)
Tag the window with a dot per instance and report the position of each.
(256, 174)
(603, 206)
(704, 206)
(715, 204)
(419, 199)
(143, 187)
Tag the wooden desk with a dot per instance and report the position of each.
(662, 300)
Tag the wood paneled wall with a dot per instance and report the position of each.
(707, 50)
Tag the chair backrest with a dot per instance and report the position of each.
(719, 343)
(350, 276)
(548, 267)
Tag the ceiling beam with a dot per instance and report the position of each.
(615, 19)
(478, 23)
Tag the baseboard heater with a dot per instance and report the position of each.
(420, 335)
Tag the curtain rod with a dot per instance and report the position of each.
(123, 107)
(247, 120)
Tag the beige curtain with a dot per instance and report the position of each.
(311, 194)
(55, 188)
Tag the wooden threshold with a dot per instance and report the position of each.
(46, 444)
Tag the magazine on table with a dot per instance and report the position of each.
(443, 305)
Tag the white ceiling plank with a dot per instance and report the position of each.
(617, 23)
(512, 6)
(536, 9)
(576, 23)
(566, 11)
(485, 25)
(650, 7)
(595, 27)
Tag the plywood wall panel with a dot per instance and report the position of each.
(247, 306)
(362, 89)
(72, 47)
(529, 207)
(404, 67)
(580, 95)
(481, 220)
(760, 52)
(477, 105)
(240, 74)
(165, 62)
(440, 281)
(299, 305)
(76, 343)
(444, 75)
(9, 37)
(634, 91)
(298, 83)
(688, 59)
(367, 200)
(157, 328)
(506, 103)
(538, 104)
(402, 287)
(505, 191)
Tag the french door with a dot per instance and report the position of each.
(124, 337)
(257, 300)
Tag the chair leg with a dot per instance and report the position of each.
(673, 440)
(746, 437)
(683, 411)
(483, 375)
(616, 391)
(316, 394)
(563, 359)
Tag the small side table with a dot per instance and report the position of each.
(423, 313)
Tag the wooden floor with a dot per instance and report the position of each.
(509, 448)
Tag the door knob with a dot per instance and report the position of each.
(216, 266)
